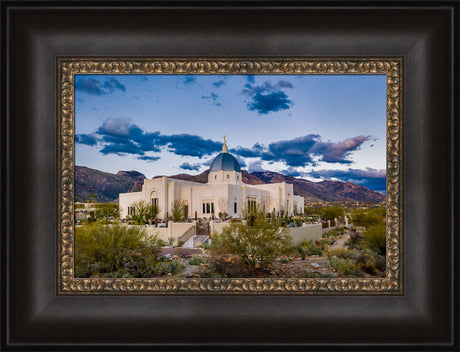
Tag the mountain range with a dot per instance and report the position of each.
(105, 187)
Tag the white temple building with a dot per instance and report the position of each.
(225, 192)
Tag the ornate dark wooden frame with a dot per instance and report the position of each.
(35, 35)
(69, 67)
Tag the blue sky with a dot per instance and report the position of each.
(310, 126)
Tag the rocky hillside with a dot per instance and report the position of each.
(104, 185)
(328, 191)
(107, 186)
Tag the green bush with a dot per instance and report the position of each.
(345, 268)
(179, 210)
(107, 211)
(257, 243)
(284, 260)
(167, 266)
(375, 238)
(330, 213)
(368, 217)
(307, 248)
(363, 260)
(102, 248)
(195, 260)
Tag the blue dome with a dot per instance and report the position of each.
(225, 162)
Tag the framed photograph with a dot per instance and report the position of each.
(229, 177)
(224, 229)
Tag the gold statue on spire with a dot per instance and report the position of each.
(224, 147)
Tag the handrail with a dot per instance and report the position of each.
(187, 234)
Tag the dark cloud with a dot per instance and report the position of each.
(250, 78)
(212, 98)
(120, 130)
(122, 149)
(271, 102)
(188, 166)
(284, 84)
(294, 152)
(111, 84)
(119, 135)
(370, 178)
(337, 152)
(253, 152)
(86, 139)
(219, 83)
(268, 97)
(207, 162)
(191, 145)
(149, 158)
(303, 151)
(97, 86)
(292, 172)
(241, 161)
(189, 79)
(256, 166)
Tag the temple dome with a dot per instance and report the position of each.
(225, 162)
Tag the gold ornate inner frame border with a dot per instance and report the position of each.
(69, 67)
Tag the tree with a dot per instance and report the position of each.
(144, 212)
(368, 217)
(222, 203)
(375, 238)
(103, 248)
(330, 213)
(107, 211)
(257, 243)
(152, 211)
(179, 210)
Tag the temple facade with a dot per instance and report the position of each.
(224, 193)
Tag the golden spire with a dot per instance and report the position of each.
(224, 147)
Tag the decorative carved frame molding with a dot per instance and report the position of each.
(69, 67)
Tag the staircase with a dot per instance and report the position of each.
(199, 240)
(187, 236)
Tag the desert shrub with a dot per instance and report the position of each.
(307, 248)
(368, 217)
(179, 210)
(257, 243)
(330, 213)
(298, 221)
(195, 260)
(107, 211)
(371, 262)
(381, 262)
(364, 260)
(167, 266)
(355, 240)
(345, 267)
(102, 248)
(222, 265)
(375, 238)
(205, 245)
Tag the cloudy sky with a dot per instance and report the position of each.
(310, 126)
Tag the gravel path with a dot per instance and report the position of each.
(340, 242)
